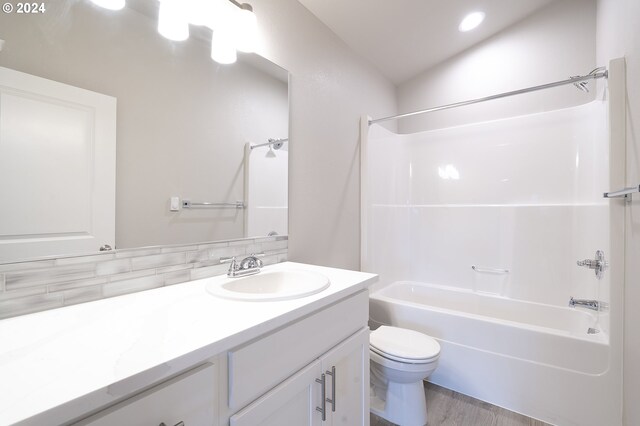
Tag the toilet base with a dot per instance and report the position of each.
(405, 404)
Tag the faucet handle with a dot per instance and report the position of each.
(233, 267)
(251, 261)
(599, 264)
(256, 256)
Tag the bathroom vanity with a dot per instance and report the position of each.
(180, 354)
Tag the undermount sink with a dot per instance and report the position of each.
(269, 286)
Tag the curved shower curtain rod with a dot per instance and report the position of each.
(593, 75)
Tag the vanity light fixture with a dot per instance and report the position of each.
(246, 32)
(471, 21)
(234, 24)
(236, 30)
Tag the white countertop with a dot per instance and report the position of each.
(58, 364)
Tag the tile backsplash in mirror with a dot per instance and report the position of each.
(27, 287)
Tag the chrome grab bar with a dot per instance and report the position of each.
(490, 270)
(625, 192)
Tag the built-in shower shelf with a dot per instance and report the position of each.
(626, 192)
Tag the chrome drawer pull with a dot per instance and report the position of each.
(332, 400)
(323, 409)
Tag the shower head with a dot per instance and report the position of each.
(276, 143)
(582, 85)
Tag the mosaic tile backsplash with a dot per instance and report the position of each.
(33, 286)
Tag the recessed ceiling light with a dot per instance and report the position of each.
(471, 21)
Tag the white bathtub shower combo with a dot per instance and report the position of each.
(475, 231)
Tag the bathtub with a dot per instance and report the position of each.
(535, 359)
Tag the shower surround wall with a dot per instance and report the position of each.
(522, 194)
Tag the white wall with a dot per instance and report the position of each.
(618, 35)
(552, 44)
(329, 89)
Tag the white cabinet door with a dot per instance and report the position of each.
(347, 373)
(293, 402)
(191, 398)
(57, 167)
(259, 366)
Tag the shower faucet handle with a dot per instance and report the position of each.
(589, 263)
(599, 264)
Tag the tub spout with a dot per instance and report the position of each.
(589, 304)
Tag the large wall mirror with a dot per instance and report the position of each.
(184, 128)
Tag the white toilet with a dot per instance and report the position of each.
(400, 360)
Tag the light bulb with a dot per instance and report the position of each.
(246, 29)
(222, 49)
(109, 4)
(471, 21)
(172, 20)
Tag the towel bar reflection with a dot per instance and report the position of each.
(626, 193)
(188, 204)
(491, 270)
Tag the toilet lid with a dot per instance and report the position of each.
(400, 343)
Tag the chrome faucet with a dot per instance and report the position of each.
(248, 266)
(594, 305)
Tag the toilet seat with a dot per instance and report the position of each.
(401, 360)
(403, 345)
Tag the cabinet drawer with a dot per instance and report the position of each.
(259, 366)
(191, 398)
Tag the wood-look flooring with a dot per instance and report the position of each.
(448, 408)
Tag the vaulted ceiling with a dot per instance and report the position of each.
(402, 38)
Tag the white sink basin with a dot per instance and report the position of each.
(269, 286)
